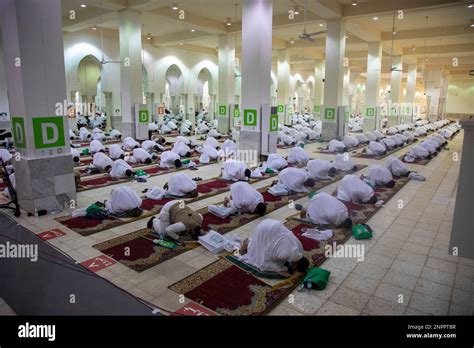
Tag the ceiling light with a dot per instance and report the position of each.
(83, 5)
(413, 48)
(193, 30)
(148, 38)
(472, 25)
(470, 6)
(354, 3)
(175, 6)
(296, 10)
(394, 33)
(229, 21)
(292, 41)
(321, 24)
(94, 28)
(181, 43)
(375, 18)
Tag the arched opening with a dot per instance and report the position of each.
(172, 98)
(89, 75)
(204, 96)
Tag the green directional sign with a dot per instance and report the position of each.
(281, 108)
(48, 132)
(236, 112)
(370, 112)
(223, 110)
(330, 114)
(250, 117)
(317, 108)
(143, 116)
(274, 123)
(19, 132)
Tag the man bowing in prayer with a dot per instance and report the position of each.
(274, 248)
(292, 180)
(176, 219)
(324, 209)
(298, 156)
(235, 171)
(244, 199)
(181, 185)
(353, 189)
(124, 202)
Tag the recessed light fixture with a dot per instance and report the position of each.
(470, 6)
(229, 21)
(175, 6)
(94, 28)
(472, 25)
(148, 38)
(394, 32)
(321, 24)
(296, 10)
(83, 5)
(181, 43)
(375, 18)
(193, 30)
(292, 41)
(354, 3)
(413, 48)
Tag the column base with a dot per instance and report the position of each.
(250, 141)
(393, 121)
(223, 125)
(328, 131)
(128, 130)
(45, 183)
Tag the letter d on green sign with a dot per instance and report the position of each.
(143, 116)
(48, 132)
(250, 117)
(19, 134)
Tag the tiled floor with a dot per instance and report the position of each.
(406, 269)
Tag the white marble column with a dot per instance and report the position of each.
(411, 91)
(226, 93)
(353, 76)
(433, 92)
(256, 70)
(372, 107)
(395, 91)
(334, 76)
(35, 74)
(462, 238)
(346, 86)
(283, 76)
(3, 82)
(130, 35)
(318, 87)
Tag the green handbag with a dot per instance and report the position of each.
(316, 278)
(362, 231)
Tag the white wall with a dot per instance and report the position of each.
(460, 97)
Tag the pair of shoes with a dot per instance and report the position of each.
(197, 178)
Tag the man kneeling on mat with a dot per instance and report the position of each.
(353, 189)
(274, 248)
(324, 209)
(124, 202)
(244, 199)
(181, 185)
(175, 219)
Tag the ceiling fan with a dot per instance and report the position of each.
(393, 68)
(103, 61)
(309, 36)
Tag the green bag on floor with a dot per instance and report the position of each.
(186, 161)
(316, 278)
(269, 171)
(139, 173)
(312, 194)
(362, 231)
(85, 151)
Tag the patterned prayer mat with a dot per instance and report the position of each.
(224, 225)
(290, 146)
(206, 189)
(86, 226)
(379, 157)
(231, 290)
(137, 251)
(148, 257)
(322, 150)
(107, 180)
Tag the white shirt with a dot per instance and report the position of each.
(234, 170)
(336, 146)
(119, 167)
(210, 141)
(379, 175)
(245, 198)
(298, 156)
(167, 159)
(123, 199)
(130, 143)
(343, 162)
(353, 189)
(324, 209)
(115, 151)
(396, 166)
(101, 160)
(293, 179)
(318, 169)
(271, 246)
(181, 148)
(180, 184)
(96, 146)
(275, 162)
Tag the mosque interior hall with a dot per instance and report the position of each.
(236, 158)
